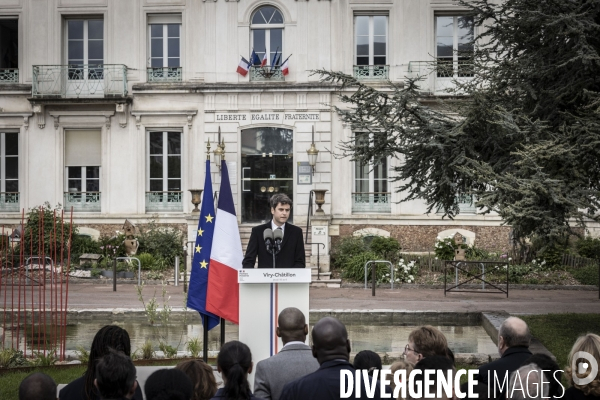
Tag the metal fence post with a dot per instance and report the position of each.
(176, 283)
(115, 275)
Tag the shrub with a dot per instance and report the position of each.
(10, 358)
(147, 261)
(347, 248)
(387, 248)
(587, 275)
(588, 247)
(161, 242)
(194, 346)
(83, 244)
(147, 350)
(111, 247)
(48, 215)
(445, 248)
(355, 267)
(168, 350)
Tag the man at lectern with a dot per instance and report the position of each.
(276, 236)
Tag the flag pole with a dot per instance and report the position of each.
(205, 338)
(222, 331)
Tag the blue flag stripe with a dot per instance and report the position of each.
(225, 197)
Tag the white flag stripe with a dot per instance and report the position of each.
(227, 246)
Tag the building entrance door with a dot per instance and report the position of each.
(267, 169)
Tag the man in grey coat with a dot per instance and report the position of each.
(294, 361)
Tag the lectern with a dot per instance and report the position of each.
(264, 292)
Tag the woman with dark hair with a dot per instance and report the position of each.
(108, 337)
(234, 362)
(368, 360)
(168, 384)
(202, 377)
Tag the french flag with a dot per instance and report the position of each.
(264, 60)
(243, 67)
(285, 67)
(223, 294)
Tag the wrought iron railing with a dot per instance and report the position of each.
(372, 72)
(442, 68)
(164, 201)
(371, 202)
(9, 202)
(102, 80)
(466, 203)
(9, 75)
(82, 201)
(266, 73)
(165, 74)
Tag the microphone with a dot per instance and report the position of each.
(278, 237)
(268, 238)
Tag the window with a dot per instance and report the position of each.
(82, 169)
(454, 46)
(266, 30)
(164, 48)
(164, 172)
(371, 190)
(85, 48)
(9, 51)
(9, 171)
(371, 46)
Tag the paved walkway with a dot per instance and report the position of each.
(91, 296)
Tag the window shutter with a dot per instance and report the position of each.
(82, 148)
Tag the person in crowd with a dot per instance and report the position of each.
(551, 371)
(526, 383)
(441, 364)
(424, 342)
(168, 384)
(109, 336)
(398, 366)
(514, 339)
(202, 377)
(115, 376)
(294, 361)
(331, 348)
(368, 360)
(37, 386)
(234, 362)
(577, 368)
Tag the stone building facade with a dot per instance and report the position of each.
(106, 106)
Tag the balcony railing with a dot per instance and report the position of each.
(9, 202)
(82, 201)
(9, 75)
(79, 81)
(372, 72)
(372, 202)
(166, 74)
(441, 75)
(164, 201)
(466, 203)
(266, 73)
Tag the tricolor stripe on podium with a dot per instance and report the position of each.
(223, 294)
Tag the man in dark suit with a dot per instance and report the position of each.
(294, 361)
(292, 245)
(331, 348)
(514, 339)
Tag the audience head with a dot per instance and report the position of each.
(589, 343)
(202, 377)
(441, 364)
(513, 332)
(108, 337)
(292, 325)
(551, 371)
(425, 341)
(168, 384)
(115, 376)
(526, 383)
(368, 360)
(37, 386)
(397, 366)
(330, 340)
(235, 363)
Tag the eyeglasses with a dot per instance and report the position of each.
(407, 349)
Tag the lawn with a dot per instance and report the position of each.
(558, 332)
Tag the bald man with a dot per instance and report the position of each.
(294, 361)
(514, 339)
(331, 348)
(37, 386)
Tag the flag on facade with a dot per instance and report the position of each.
(264, 60)
(201, 259)
(226, 257)
(274, 61)
(254, 60)
(243, 67)
(285, 67)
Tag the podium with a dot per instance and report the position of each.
(264, 292)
